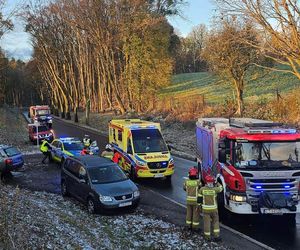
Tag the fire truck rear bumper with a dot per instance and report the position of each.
(245, 208)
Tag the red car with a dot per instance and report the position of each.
(40, 132)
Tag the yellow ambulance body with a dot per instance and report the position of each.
(141, 148)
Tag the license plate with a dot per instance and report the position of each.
(272, 211)
(125, 204)
(158, 175)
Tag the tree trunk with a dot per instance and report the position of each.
(240, 102)
(87, 112)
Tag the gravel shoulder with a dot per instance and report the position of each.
(35, 216)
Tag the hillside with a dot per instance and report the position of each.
(262, 84)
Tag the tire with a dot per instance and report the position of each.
(168, 179)
(290, 217)
(64, 189)
(133, 176)
(91, 206)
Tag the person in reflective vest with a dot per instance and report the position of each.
(86, 141)
(210, 208)
(191, 186)
(108, 152)
(44, 148)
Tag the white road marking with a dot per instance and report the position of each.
(221, 225)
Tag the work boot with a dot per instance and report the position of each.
(207, 238)
(218, 239)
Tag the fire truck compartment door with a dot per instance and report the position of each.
(205, 147)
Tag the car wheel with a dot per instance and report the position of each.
(169, 179)
(91, 206)
(64, 189)
(133, 176)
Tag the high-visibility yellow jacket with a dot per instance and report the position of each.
(108, 154)
(44, 147)
(192, 190)
(209, 195)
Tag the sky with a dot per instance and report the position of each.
(17, 42)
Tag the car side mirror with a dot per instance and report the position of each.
(169, 147)
(222, 145)
(82, 180)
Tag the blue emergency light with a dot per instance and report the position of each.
(287, 186)
(258, 187)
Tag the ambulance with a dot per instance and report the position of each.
(140, 149)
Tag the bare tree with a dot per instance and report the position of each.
(279, 23)
(230, 56)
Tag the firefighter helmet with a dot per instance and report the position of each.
(209, 179)
(193, 172)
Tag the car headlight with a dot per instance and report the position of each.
(141, 163)
(171, 161)
(136, 193)
(238, 198)
(104, 198)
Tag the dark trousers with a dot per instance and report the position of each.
(46, 155)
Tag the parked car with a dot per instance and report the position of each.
(64, 147)
(40, 132)
(99, 183)
(11, 159)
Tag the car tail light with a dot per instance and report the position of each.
(8, 161)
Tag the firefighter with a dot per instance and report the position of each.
(45, 149)
(86, 141)
(210, 208)
(192, 186)
(108, 152)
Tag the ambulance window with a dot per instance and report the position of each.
(119, 135)
(129, 147)
(114, 134)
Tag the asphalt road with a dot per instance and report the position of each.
(273, 231)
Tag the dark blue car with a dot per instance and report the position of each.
(11, 159)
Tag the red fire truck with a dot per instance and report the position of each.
(256, 161)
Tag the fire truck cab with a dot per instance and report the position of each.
(41, 114)
(256, 161)
(141, 148)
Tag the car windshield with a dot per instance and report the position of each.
(106, 174)
(73, 146)
(12, 151)
(40, 129)
(267, 154)
(43, 112)
(148, 141)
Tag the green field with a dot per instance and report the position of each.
(260, 84)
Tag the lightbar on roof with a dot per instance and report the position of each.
(272, 131)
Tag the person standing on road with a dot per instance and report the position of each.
(108, 152)
(86, 141)
(45, 149)
(210, 208)
(192, 186)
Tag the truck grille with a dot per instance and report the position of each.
(157, 165)
(123, 197)
(272, 184)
